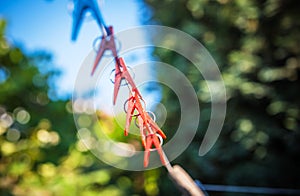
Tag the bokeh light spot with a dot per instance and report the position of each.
(47, 170)
(84, 121)
(124, 182)
(22, 116)
(43, 135)
(13, 135)
(290, 123)
(261, 137)
(6, 120)
(7, 148)
(45, 124)
(245, 125)
(260, 152)
(48, 137)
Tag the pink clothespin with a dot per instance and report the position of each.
(107, 43)
(121, 72)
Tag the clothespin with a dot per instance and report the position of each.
(107, 43)
(80, 8)
(133, 103)
(132, 106)
(146, 119)
(154, 126)
(130, 112)
(121, 72)
(152, 139)
(147, 126)
(142, 130)
(150, 130)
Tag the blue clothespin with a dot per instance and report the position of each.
(80, 8)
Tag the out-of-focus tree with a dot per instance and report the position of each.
(39, 151)
(256, 45)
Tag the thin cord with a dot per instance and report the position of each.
(168, 165)
(105, 30)
(247, 189)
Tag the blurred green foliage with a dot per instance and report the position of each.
(257, 47)
(39, 150)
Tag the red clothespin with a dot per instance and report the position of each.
(130, 113)
(148, 122)
(121, 72)
(107, 43)
(148, 128)
(142, 130)
(133, 104)
(155, 127)
(149, 139)
(152, 139)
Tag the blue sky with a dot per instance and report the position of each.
(46, 25)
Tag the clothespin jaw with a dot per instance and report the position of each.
(80, 8)
(107, 43)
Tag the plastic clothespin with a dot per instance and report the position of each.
(80, 8)
(155, 127)
(148, 129)
(146, 123)
(107, 43)
(121, 72)
(130, 112)
(142, 130)
(152, 139)
(133, 104)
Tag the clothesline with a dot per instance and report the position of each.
(246, 189)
